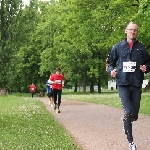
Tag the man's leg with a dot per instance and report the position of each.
(135, 103)
(124, 93)
(59, 98)
(55, 98)
(32, 94)
(51, 99)
(48, 98)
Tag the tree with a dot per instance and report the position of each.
(75, 35)
(9, 9)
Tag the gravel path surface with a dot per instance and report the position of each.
(99, 127)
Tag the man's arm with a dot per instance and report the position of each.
(112, 59)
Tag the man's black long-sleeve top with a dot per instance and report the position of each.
(122, 52)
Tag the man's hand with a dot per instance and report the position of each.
(113, 73)
(143, 68)
(55, 82)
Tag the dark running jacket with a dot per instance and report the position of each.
(120, 53)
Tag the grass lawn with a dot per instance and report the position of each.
(25, 124)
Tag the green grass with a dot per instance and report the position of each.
(107, 97)
(25, 124)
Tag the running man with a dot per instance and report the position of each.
(128, 61)
(58, 83)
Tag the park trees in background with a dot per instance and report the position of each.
(29, 52)
(9, 44)
(85, 31)
(75, 35)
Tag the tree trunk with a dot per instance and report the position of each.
(92, 87)
(2, 91)
(99, 87)
(75, 87)
(84, 80)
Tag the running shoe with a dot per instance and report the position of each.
(57, 111)
(55, 106)
(132, 146)
(49, 103)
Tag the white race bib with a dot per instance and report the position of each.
(129, 66)
(58, 81)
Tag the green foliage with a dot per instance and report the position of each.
(75, 35)
(8, 24)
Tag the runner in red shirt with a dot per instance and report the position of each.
(32, 89)
(57, 85)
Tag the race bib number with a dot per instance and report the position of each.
(129, 66)
(58, 81)
(32, 88)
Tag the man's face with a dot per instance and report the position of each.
(131, 31)
(58, 72)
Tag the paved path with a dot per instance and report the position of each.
(99, 127)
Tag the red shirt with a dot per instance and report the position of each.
(59, 79)
(32, 88)
(130, 45)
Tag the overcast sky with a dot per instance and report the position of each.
(26, 1)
